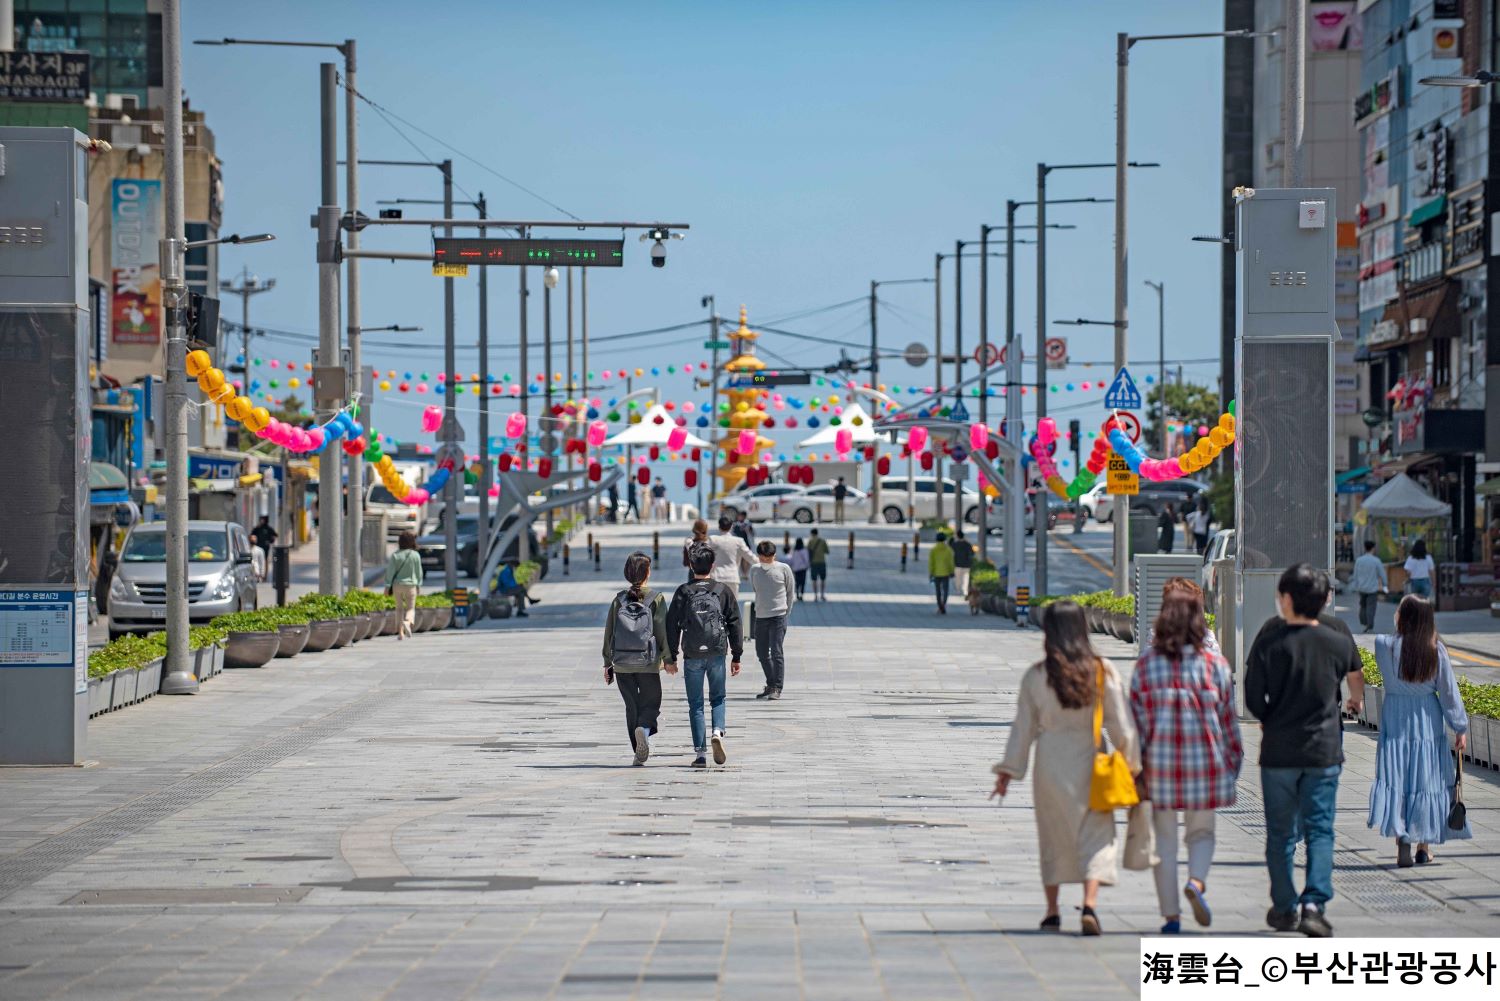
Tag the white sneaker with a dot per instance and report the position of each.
(720, 756)
(642, 745)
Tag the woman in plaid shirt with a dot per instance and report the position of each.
(1182, 697)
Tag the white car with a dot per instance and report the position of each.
(894, 499)
(1096, 502)
(758, 502)
(817, 504)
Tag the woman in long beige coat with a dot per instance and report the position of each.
(1056, 713)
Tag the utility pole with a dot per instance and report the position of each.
(583, 335)
(451, 433)
(524, 550)
(1015, 504)
(568, 377)
(1161, 363)
(485, 476)
(1121, 512)
(179, 678)
(329, 393)
(984, 379)
(354, 518)
(1040, 511)
(547, 422)
(713, 403)
(875, 385)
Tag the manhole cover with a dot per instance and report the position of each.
(208, 895)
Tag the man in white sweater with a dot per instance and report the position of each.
(775, 593)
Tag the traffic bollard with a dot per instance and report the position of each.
(916, 545)
(903, 557)
(851, 550)
(598, 557)
(590, 549)
(655, 547)
(566, 553)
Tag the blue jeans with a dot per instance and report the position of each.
(1421, 587)
(1299, 804)
(693, 670)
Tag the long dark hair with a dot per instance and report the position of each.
(1417, 628)
(1179, 624)
(637, 569)
(1070, 658)
(1419, 549)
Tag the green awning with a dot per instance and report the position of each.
(1429, 210)
(1488, 487)
(1352, 475)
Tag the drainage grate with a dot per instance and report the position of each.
(1367, 883)
(27, 866)
(174, 898)
(649, 978)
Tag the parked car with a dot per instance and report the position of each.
(432, 548)
(221, 575)
(1151, 499)
(1221, 545)
(894, 499)
(758, 502)
(817, 504)
(995, 519)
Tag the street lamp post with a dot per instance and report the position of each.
(1123, 44)
(1161, 363)
(875, 514)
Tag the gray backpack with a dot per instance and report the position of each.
(635, 633)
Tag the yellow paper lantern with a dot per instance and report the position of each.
(210, 379)
(239, 408)
(258, 419)
(223, 394)
(1219, 437)
(384, 385)
(1226, 421)
(198, 362)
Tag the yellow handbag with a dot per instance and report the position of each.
(1110, 786)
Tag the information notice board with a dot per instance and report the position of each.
(45, 628)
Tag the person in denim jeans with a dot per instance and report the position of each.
(1292, 685)
(704, 622)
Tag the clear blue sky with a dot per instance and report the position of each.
(812, 147)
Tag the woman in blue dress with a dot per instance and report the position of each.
(1414, 773)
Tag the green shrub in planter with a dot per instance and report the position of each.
(360, 600)
(438, 600)
(526, 572)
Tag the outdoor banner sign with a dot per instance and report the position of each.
(135, 227)
(44, 76)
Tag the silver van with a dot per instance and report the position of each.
(221, 575)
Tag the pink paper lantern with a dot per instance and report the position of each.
(979, 436)
(843, 440)
(917, 438)
(747, 441)
(432, 418)
(515, 425)
(678, 438)
(598, 433)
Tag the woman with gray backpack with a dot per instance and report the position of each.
(635, 644)
(704, 620)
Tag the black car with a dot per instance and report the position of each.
(433, 547)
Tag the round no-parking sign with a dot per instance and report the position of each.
(1130, 424)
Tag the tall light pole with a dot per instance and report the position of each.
(875, 513)
(1123, 44)
(352, 520)
(1161, 363)
(707, 302)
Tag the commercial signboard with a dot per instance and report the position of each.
(135, 227)
(61, 77)
(1381, 99)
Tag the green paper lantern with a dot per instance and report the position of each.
(613, 415)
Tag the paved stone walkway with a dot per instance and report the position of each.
(456, 816)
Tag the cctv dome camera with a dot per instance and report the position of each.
(658, 255)
(550, 277)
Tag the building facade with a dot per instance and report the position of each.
(1426, 158)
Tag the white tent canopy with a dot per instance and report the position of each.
(1403, 497)
(649, 432)
(863, 430)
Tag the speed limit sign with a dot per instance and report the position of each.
(1130, 424)
(988, 354)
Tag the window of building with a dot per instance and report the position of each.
(1442, 361)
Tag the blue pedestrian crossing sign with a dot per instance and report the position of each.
(1122, 393)
(958, 412)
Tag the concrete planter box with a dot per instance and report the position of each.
(1374, 702)
(1095, 618)
(424, 618)
(347, 628)
(216, 658)
(1483, 736)
(322, 634)
(148, 680)
(444, 617)
(123, 692)
(99, 690)
(366, 626)
(390, 625)
(251, 649)
(293, 639)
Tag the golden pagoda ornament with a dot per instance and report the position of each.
(744, 408)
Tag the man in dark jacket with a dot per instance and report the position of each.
(704, 622)
(1292, 685)
(963, 562)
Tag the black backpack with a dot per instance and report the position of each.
(703, 632)
(635, 634)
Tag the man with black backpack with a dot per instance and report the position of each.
(704, 622)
